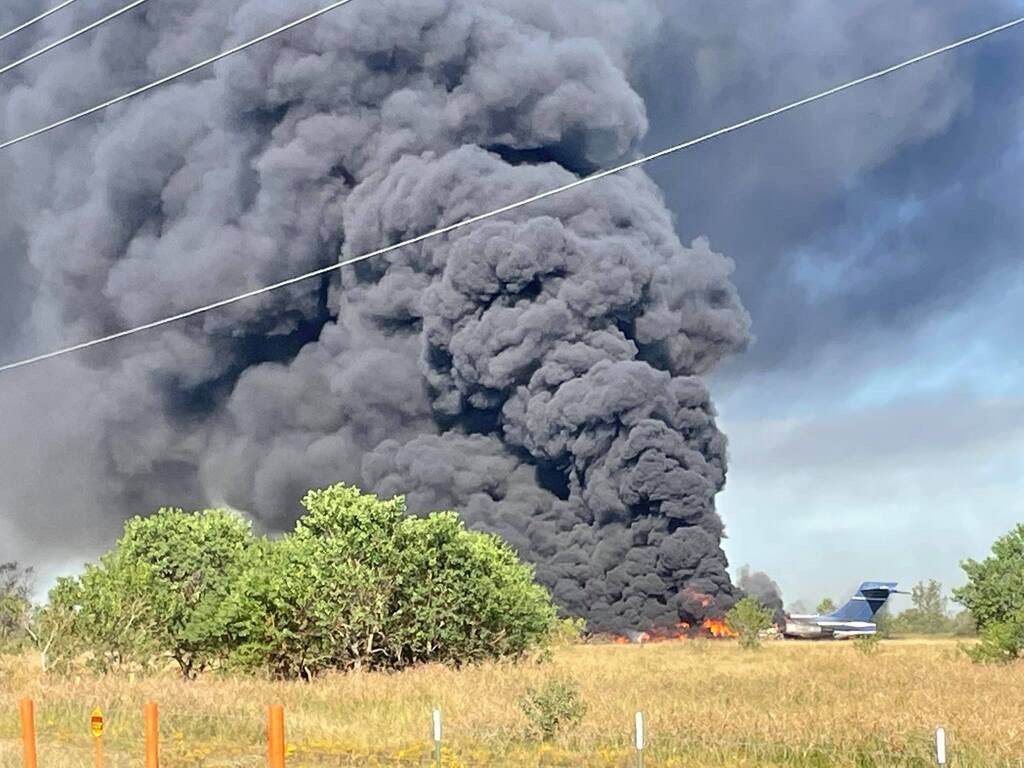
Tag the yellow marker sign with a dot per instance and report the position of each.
(96, 723)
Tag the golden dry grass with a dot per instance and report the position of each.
(708, 704)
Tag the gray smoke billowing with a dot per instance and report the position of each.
(538, 372)
(760, 585)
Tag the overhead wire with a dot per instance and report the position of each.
(36, 20)
(177, 75)
(511, 206)
(68, 38)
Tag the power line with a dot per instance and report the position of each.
(38, 18)
(68, 38)
(512, 206)
(169, 78)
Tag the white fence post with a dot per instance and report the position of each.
(437, 737)
(940, 746)
(640, 739)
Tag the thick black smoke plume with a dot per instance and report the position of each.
(537, 372)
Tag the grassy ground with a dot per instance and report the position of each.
(707, 704)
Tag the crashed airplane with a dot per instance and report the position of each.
(851, 620)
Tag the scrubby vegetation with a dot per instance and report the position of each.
(994, 594)
(748, 619)
(552, 708)
(389, 615)
(359, 584)
(792, 705)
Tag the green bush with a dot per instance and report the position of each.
(361, 584)
(156, 596)
(568, 632)
(748, 619)
(994, 595)
(1000, 642)
(357, 584)
(15, 606)
(867, 644)
(552, 709)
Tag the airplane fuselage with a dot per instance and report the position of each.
(825, 628)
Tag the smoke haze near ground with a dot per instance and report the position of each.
(760, 585)
(540, 372)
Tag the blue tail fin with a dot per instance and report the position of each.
(866, 603)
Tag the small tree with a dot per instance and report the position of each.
(53, 627)
(748, 618)
(826, 606)
(117, 621)
(928, 616)
(192, 560)
(361, 584)
(157, 595)
(994, 594)
(15, 605)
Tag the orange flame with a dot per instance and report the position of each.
(718, 628)
(682, 631)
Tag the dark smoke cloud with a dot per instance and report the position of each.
(865, 215)
(760, 585)
(538, 372)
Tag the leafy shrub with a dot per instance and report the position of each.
(867, 644)
(553, 708)
(361, 584)
(994, 595)
(15, 606)
(568, 632)
(748, 618)
(1000, 642)
(156, 596)
(357, 584)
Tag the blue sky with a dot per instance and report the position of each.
(899, 472)
(876, 425)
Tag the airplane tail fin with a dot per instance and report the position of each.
(867, 602)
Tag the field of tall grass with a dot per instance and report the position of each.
(708, 703)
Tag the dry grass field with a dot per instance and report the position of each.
(708, 703)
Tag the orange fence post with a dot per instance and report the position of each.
(275, 736)
(28, 732)
(152, 736)
(96, 725)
